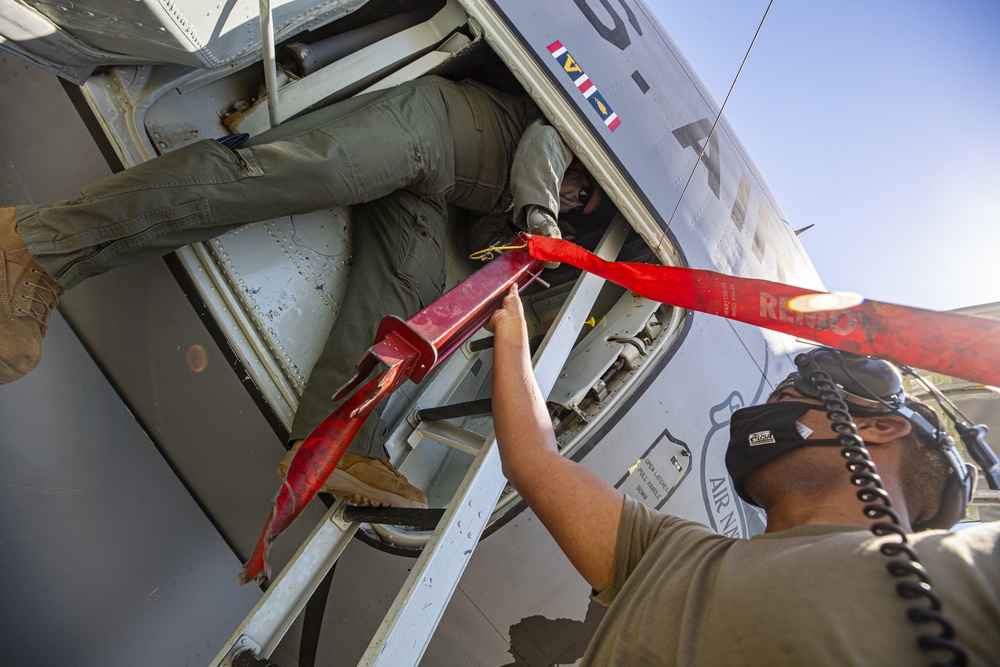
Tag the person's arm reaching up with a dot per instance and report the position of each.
(579, 509)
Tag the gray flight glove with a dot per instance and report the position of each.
(541, 223)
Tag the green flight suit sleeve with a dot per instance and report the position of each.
(537, 171)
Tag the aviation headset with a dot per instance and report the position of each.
(871, 387)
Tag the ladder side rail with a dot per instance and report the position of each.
(277, 609)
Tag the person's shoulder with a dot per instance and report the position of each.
(973, 544)
(986, 535)
(977, 533)
(663, 523)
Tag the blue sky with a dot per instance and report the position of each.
(879, 122)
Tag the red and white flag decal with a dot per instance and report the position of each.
(584, 84)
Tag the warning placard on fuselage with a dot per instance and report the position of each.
(654, 477)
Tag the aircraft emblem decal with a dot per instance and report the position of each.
(727, 513)
(584, 84)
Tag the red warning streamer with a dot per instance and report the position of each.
(955, 345)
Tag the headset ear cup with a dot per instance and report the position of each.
(955, 499)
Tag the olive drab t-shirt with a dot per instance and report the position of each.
(812, 595)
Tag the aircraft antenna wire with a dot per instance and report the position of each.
(711, 132)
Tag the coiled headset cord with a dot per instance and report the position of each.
(914, 581)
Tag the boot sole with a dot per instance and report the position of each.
(354, 491)
(8, 374)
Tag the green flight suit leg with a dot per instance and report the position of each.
(397, 269)
(398, 155)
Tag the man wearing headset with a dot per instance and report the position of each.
(400, 157)
(813, 589)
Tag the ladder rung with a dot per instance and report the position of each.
(483, 406)
(448, 434)
(396, 516)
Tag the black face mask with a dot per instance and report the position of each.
(761, 433)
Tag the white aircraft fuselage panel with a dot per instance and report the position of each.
(612, 82)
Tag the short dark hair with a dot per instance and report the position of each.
(923, 466)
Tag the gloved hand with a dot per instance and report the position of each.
(541, 222)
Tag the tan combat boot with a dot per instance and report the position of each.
(27, 298)
(363, 481)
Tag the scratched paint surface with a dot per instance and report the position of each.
(290, 276)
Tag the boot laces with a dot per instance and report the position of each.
(42, 300)
(387, 465)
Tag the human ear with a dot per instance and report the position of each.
(883, 429)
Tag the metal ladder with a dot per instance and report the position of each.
(410, 623)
